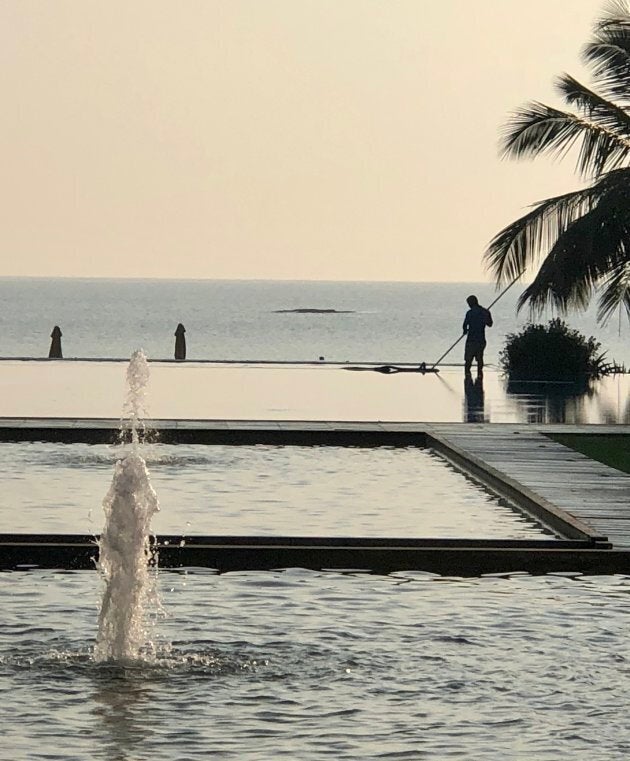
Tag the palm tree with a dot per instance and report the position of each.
(583, 237)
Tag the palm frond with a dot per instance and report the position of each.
(615, 292)
(606, 115)
(584, 255)
(614, 10)
(565, 279)
(615, 182)
(538, 128)
(518, 246)
(609, 51)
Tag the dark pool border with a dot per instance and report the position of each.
(455, 557)
(229, 432)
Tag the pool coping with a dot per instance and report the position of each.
(222, 554)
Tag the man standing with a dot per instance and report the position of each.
(475, 323)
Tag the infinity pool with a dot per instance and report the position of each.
(260, 490)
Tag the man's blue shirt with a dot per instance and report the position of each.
(475, 323)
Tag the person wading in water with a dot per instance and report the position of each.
(475, 323)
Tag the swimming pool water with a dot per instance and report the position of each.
(258, 490)
(319, 666)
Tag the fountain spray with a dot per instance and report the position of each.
(124, 547)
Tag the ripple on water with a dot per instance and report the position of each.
(257, 489)
(319, 666)
(275, 660)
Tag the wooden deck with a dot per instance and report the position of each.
(595, 494)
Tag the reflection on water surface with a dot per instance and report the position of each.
(307, 392)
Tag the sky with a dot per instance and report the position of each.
(273, 139)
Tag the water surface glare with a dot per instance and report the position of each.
(317, 491)
(314, 666)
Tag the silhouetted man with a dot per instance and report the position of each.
(475, 323)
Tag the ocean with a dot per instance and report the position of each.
(381, 322)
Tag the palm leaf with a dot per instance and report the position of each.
(584, 254)
(518, 246)
(597, 155)
(609, 51)
(615, 292)
(537, 129)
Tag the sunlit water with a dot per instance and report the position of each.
(317, 491)
(272, 392)
(304, 665)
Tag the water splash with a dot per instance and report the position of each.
(125, 557)
(134, 408)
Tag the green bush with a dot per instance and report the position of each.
(552, 352)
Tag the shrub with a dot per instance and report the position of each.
(552, 352)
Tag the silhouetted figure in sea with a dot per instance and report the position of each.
(180, 342)
(55, 345)
(474, 399)
(475, 323)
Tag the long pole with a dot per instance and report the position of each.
(452, 346)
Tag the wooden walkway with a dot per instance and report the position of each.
(593, 493)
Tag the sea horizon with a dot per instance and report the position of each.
(356, 321)
(244, 280)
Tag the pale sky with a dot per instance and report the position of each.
(297, 139)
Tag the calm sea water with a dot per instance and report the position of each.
(243, 320)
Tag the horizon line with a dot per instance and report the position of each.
(244, 279)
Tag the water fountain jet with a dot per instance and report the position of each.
(125, 556)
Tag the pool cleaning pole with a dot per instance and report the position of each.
(452, 346)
